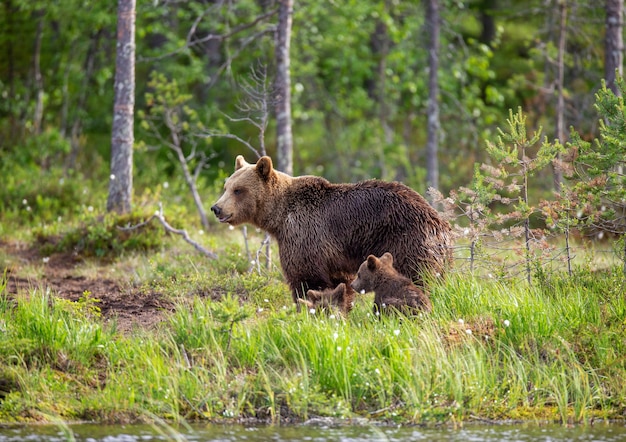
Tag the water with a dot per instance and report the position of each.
(219, 433)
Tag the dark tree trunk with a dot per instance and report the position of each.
(380, 44)
(81, 103)
(282, 87)
(488, 31)
(121, 180)
(613, 44)
(10, 32)
(38, 78)
(560, 98)
(432, 26)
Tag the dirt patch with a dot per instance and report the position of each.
(129, 307)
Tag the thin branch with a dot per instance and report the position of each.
(181, 232)
(221, 37)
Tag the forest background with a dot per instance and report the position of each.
(359, 77)
(409, 91)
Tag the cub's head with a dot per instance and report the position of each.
(328, 299)
(372, 272)
(245, 191)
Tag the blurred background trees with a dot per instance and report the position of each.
(358, 79)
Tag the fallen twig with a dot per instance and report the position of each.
(182, 232)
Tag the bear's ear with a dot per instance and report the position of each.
(312, 295)
(387, 258)
(340, 291)
(240, 162)
(372, 262)
(264, 167)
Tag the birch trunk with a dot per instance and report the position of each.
(122, 138)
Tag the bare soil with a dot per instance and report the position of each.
(130, 307)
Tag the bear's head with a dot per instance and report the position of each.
(372, 272)
(246, 191)
(325, 299)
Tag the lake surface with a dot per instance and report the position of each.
(309, 433)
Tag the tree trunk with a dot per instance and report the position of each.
(613, 44)
(380, 44)
(560, 100)
(282, 87)
(121, 180)
(10, 32)
(488, 25)
(432, 26)
(38, 78)
(81, 103)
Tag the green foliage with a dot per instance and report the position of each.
(45, 330)
(51, 198)
(497, 203)
(489, 349)
(102, 236)
(600, 180)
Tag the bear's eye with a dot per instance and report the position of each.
(237, 191)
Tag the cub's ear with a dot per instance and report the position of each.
(264, 167)
(313, 295)
(340, 292)
(387, 258)
(240, 162)
(372, 262)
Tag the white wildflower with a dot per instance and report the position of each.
(396, 332)
(231, 227)
(468, 331)
(166, 185)
(507, 322)
(112, 177)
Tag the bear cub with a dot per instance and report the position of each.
(340, 298)
(392, 290)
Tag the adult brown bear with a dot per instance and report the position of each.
(325, 231)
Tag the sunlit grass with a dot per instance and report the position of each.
(235, 347)
(489, 349)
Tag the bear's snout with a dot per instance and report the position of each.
(216, 209)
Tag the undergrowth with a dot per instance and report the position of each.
(490, 350)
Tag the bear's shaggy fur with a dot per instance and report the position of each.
(392, 290)
(324, 231)
(340, 298)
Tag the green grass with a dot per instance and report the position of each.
(558, 356)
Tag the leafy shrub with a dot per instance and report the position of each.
(103, 237)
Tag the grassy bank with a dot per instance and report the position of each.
(234, 347)
(225, 343)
